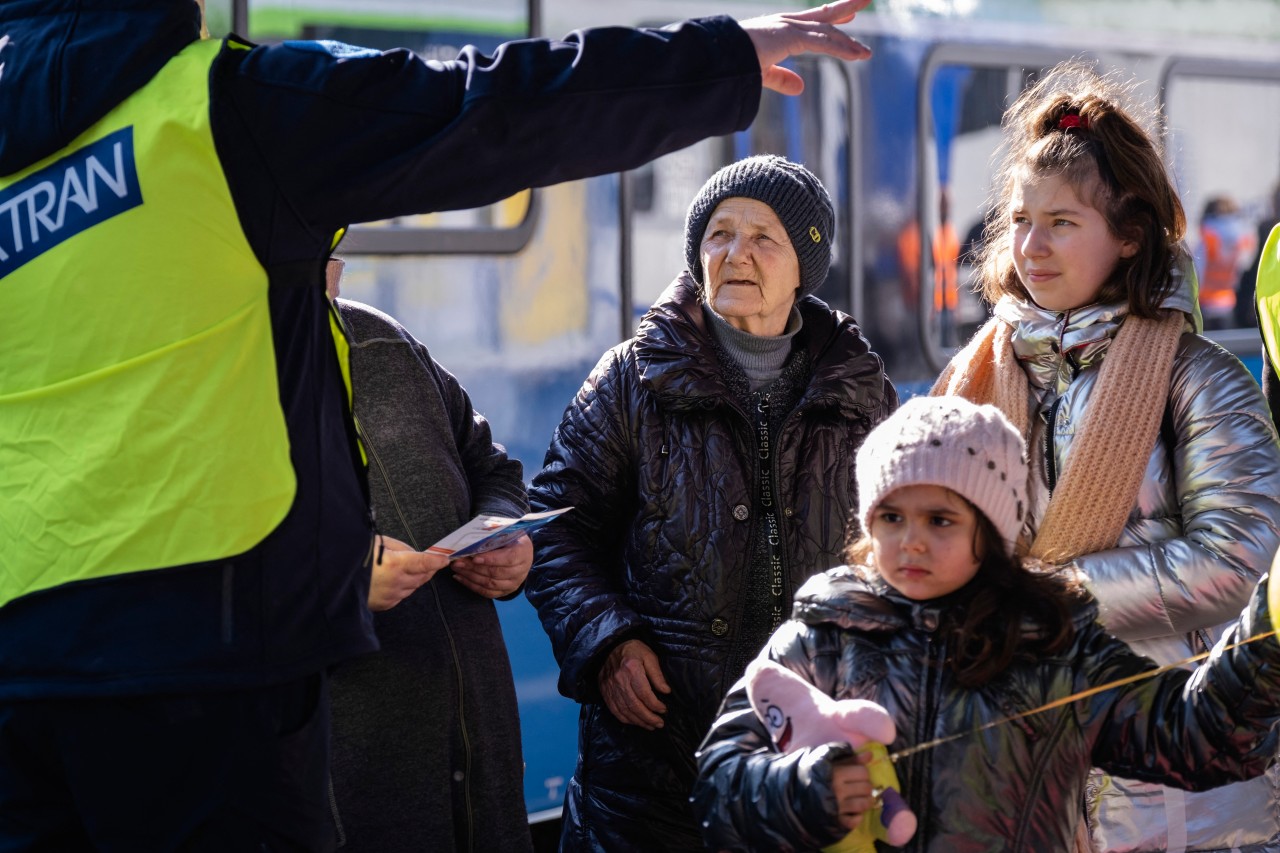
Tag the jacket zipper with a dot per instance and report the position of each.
(453, 651)
(750, 448)
(462, 723)
(1050, 466)
(779, 513)
(934, 663)
(338, 828)
(395, 502)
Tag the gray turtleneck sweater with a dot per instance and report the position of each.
(760, 356)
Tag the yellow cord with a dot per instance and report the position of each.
(1057, 703)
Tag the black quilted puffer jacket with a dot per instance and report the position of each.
(1016, 786)
(660, 461)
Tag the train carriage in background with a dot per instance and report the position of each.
(519, 299)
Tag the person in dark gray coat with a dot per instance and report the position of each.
(426, 734)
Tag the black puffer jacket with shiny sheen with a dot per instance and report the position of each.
(659, 459)
(1016, 786)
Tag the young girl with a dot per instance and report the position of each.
(1154, 472)
(936, 621)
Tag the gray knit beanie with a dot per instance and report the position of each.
(797, 197)
(970, 449)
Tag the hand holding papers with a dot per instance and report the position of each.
(487, 532)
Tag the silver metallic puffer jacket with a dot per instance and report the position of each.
(1204, 528)
(1014, 786)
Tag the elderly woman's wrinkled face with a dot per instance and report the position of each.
(749, 268)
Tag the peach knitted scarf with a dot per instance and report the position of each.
(1099, 485)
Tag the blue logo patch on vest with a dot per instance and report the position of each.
(83, 189)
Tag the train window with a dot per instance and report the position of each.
(963, 97)
(813, 129)
(662, 191)
(501, 228)
(220, 16)
(1224, 151)
(962, 108)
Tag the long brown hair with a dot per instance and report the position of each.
(985, 625)
(1088, 130)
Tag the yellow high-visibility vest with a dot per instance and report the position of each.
(1268, 297)
(140, 418)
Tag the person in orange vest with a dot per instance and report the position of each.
(1246, 289)
(1227, 244)
(944, 249)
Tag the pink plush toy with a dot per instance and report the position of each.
(798, 715)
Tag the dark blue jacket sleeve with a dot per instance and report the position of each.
(578, 581)
(329, 135)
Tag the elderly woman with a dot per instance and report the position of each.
(711, 463)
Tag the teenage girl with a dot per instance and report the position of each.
(935, 620)
(1155, 471)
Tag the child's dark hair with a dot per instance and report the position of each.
(986, 625)
(1084, 128)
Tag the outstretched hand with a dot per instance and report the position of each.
(813, 31)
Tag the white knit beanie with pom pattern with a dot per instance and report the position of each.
(970, 449)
